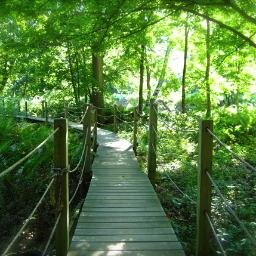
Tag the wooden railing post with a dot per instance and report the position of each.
(87, 134)
(26, 108)
(152, 138)
(135, 130)
(62, 185)
(204, 188)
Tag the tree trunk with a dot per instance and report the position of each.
(97, 98)
(85, 84)
(207, 71)
(163, 71)
(148, 83)
(78, 82)
(183, 89)
(72, 75)
(6, 70)
(142, 58)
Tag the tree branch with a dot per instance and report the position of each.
(235, 7)
(221, 24)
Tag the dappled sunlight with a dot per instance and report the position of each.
(115, 248)
(120, 145)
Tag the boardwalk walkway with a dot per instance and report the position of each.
(121, 214)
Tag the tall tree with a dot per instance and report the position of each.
(183, 90)
(142, 68)
(97, 87)
(207, 71)
(163, 70)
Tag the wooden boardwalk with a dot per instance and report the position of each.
(121, 214)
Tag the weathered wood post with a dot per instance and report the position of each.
(204, 188)
(62, 185)
(115, 119)
(87, 134)
(152, 141)
(135, 130)
(26, 108)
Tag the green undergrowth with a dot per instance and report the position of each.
(22, 188)
(177, 161)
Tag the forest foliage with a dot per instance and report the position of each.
(198, 56)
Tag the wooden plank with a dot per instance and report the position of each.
(123, 219)
(135, 180)
(123, 231)
(116, 189)
(178, 252)
(119, 183)
(130, 246)
(129, 204)
(125, 238)
(122, 209)
(132, 174)
(122, 214)
(123, 197)
(131, 193)
(123, 224)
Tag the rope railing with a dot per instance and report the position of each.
(121, 112)
(235, 155)
(61, 171)
(78, 184)
(171, 129)
(205, 178)
(80, 160)
(178, 188)
(102, 108)
(29, 218)
(51, 235)
(124, 121)
(19, 162)
(81, 174)
(215, 235)
(105, 116)
(83, 117)
(164, 104)
(230, 210)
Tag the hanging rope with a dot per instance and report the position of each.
(215, 234)
(26, 222)
(51, 235)
(230, 210)
(236, 156)
(11, 168)
(80, 160)
(82, 173)
(177, 187)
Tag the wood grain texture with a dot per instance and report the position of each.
(122, 214)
